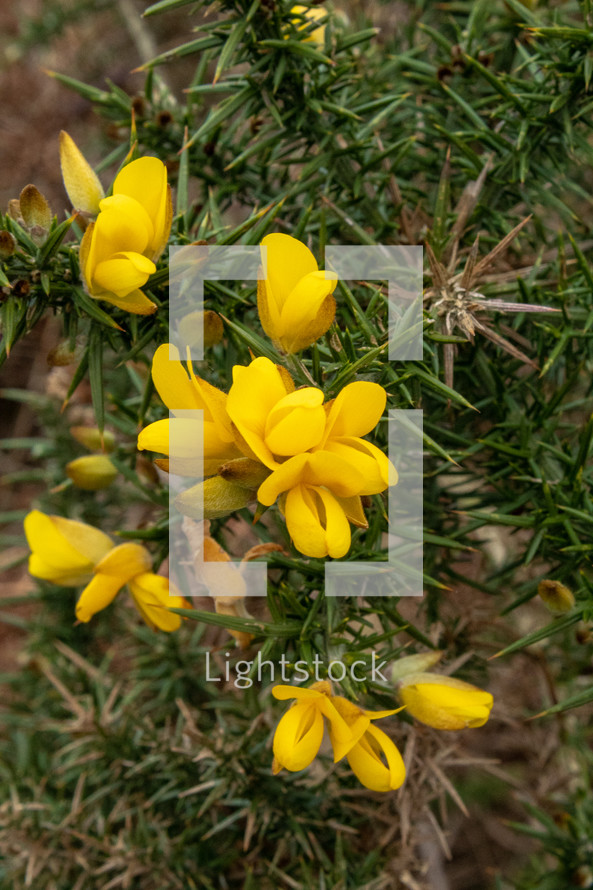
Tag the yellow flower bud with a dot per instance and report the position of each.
(80, 180)
(93, 439)
(91, 472)
(212, 499)
(444, 702)
(244, 472)
(555, 596)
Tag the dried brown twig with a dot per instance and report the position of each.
(458, 305)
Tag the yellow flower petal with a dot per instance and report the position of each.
(80, 180)
(316, 522)
(122, 224)
(153, 596)
(117, 251)
(39, 568)
(310, 328)
(268, 311)
(295, 423)
(215, 405)
(356, 410)
(311, 14)
(192, 446)
(374, 467)
(172, 382)
(122, 273)
(145, 180)
(63, 549)
(294, 302)
(299, 733)
(303, 522)
(318, 469)
(357, 721)
(308, 311)
(135, 302)
(124, 562)
(98, 594)
(298, 737)
(255, 391)
(288, 260)
(337, 527)
(366, 761)
(287, 476)
(283, 693)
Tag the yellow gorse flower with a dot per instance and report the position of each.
(72, 553)
(311, 14)
(299, 735)
(444, 702)
(119, 250)
(320, 464)
(295, 302)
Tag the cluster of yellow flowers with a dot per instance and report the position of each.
(268, 440)
(265, 440)
(436, 700)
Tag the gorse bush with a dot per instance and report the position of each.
(143, 747)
